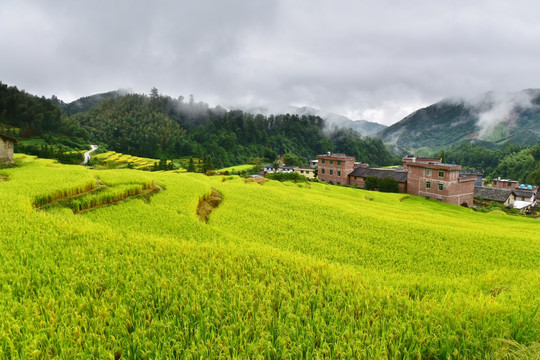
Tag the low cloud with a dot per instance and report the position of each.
(494, 109)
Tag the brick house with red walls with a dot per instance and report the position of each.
(505, 183)
(438, 181)
(335, 168)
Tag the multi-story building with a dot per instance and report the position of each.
(438, 181)
(335, 168)
(505, 183)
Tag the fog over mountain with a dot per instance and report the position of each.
(493, 117)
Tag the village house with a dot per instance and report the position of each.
(308, 172)
(504, 183)
(526, 193)
(7, 144)
(439, 181)
(335, 168)
(488, 193)
(269, 168)
(358, 177)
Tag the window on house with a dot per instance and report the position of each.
(440, 187)
(339, 173)
(331, 172)
(339, 162)
(322, 161)
(331, 162)
(428, 185)
(441, 173)
(428, 172)
(322, 171)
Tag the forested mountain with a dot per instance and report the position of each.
(159, 126)
(492, 118)
(25, 115)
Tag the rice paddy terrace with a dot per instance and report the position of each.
(119, 264)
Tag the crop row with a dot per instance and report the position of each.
(41, 200)
(110, 196)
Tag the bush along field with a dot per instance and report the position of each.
(274, 270)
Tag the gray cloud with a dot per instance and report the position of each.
(374, 60)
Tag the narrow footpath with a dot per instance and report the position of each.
(87, 154)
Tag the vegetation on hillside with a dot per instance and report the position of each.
(521, 163)
(280, 270)
(492, 118)
(161, 127)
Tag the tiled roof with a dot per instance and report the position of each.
(523, 192)
(492, 193)
(398, 175)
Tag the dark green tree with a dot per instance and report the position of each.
(371, 183)
(388, 185)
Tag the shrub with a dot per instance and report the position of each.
(388, 185)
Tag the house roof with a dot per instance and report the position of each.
(523, 192)
(521, 204)
(435, 165)
(398, 175)
(336, 157)
(491, 193)
(471, 172)
(7, 137)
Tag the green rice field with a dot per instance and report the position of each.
(279, 271)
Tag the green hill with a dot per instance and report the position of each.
(86, 103)
(488, 119)
(280, 270)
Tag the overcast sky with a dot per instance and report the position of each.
(375, 60)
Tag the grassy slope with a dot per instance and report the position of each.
(280, 270)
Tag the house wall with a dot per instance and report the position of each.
(6, 151)
(510, 200)
(455, 190)
(308, 173)
(357, 181)
(504, 184)
(335, 169)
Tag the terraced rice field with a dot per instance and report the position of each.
(280, 270)
(114, 160)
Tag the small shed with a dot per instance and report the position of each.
(7, 144)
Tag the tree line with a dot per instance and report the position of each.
(163, 127)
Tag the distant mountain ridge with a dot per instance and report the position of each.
(491, 117)
(364, 127)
